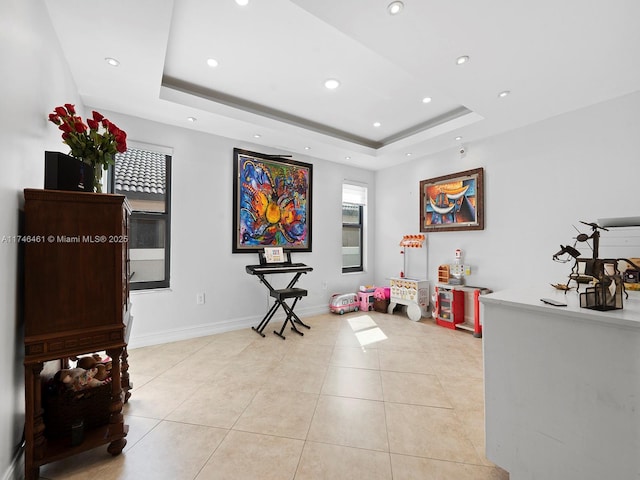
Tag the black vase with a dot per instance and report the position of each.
(63, 172)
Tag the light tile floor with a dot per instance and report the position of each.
(360, 396)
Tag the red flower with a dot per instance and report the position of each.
(96, 144)
(121, 141)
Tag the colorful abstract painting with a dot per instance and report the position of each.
(272, 203)
(453, 202)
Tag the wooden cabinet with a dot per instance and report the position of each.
(76, 301)
(443, 274)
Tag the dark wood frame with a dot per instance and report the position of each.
(241, 187)
(450, 222)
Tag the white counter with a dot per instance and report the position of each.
(530, 300)
(562, 387)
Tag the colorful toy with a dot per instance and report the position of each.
(412, 293)
(343, 302)
(382, 293)
(365, 300)
(381, 297)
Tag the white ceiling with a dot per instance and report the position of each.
(274, 56)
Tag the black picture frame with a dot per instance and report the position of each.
(272, 202)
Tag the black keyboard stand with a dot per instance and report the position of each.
(281, 295)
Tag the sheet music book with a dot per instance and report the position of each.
(273, 254)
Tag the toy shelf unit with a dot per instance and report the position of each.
(412, 293)
(458, 307)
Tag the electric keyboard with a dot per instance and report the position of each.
(275, 268)
(268, 267)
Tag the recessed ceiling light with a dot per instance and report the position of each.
(395, 8)
(192, 119)
(347, 158)
(462, 59)
(408, 154)
(242, 3)
(332, 83)
(504, 93)
(426, 100)
(212, 62)
(307, 148)
(458, 138)
(377, 124)
(257, 135)
(112, 61)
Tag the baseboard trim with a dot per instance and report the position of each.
(177, 334)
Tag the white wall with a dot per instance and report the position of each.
(201, 239)
(34, 80)
(539, 181)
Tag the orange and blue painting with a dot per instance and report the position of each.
(452, 202)
(272, 203)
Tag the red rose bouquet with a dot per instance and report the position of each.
(95, 142)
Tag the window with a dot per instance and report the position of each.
(144, 177)
(354, 200)
(351, 238)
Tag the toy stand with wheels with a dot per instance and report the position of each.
(412, 293)
(408, 291)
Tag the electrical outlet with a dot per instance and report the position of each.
(200, 299)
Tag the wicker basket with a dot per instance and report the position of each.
(380, 305)
(64, 408)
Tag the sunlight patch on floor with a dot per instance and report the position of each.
(366, 330)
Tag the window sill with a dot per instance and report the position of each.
(150, 290)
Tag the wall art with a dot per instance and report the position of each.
(271, 202)
(453, 202)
